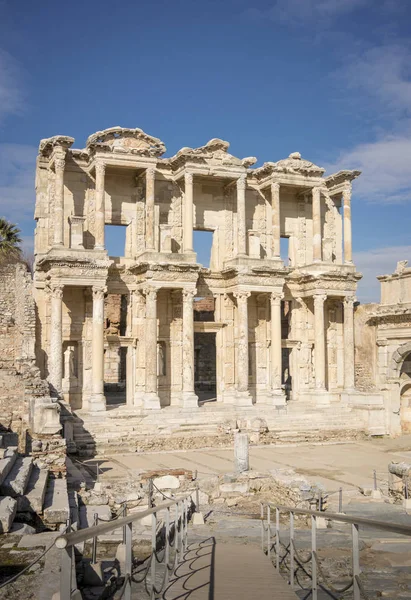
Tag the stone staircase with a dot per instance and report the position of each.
(124, 429)
(27, 491)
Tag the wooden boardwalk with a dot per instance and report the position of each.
(217, 571)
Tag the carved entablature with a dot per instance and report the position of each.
(126, 141)
(337, 181)
(48, 145)
(333, 284)
(213, 154)
(293, 165)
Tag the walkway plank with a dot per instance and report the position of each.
(217, 571)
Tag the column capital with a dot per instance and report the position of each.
(99, 292)
(188, 294)
(276, 298)
(188, 178)
(242, 182)
(56, 290)
(349, 301)
(317, 189)
(150, 292)
(275, 186)
(100, 168)
(241, 295)
(151, 172)
(319, 298)
(347, 190)
(59, 164)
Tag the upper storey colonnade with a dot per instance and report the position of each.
(131, 150)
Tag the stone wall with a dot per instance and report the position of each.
(25, 404)
(365, 349)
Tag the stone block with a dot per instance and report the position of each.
(376, 494)
(230, 489)
(407, 505)
(167, 482)
(8, 508)
(322, 523)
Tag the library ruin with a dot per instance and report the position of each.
(152, 342)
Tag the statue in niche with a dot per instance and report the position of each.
(69, 363)
(161, 360)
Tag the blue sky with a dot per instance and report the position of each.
(328, 78)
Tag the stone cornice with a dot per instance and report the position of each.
(124, 140)
(340, 178)
(294, 165)
(213, 154)
(48, 145)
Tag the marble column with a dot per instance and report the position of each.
(276, 350)
(349, 368)
(150, 217)
(241, 220)
(319, 348)
(100, 217)
(189, 399)
(55, 358)
(317, 254)
(347, 225)
(151, 398)
(59, 165)
(243, 394)
(188, 213)
(97, 401)
(275, 204)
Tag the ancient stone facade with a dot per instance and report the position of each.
(281, 330)
(386, 348)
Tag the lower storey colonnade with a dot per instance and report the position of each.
(159, 342)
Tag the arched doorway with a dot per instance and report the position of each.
(405, 391)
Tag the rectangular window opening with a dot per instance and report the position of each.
(115, 240)
(203, 241)
(285, 250)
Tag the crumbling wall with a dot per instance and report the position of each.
(365, 348)
(25, 404)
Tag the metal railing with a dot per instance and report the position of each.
(310, 566)
(174, 546)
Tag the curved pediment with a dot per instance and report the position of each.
(47, 145)
(214, 152)
(124, 140)
(294, 165)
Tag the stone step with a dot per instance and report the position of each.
(16, 481)
(56, 502)
(6, 463)
(33, 500)
(8, 508)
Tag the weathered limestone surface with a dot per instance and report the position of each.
(282, 332)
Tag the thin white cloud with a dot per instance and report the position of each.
(383, 75)
(379, 261)
(301, 12)
(385, 166)
(11, 89)
(17, 171)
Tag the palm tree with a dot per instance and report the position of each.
(9, 239)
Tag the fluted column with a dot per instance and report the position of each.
(188, 213)
(189, 399)
(100, 218)
(349, 365)
(97, 400)
(243, 395)
(150, 217)
(275, 203)
(151, 399)
(241, 223)
(59, 165)
(55, 358)
(347, 225)
(317, 254)
(319, 348)
(276, 350)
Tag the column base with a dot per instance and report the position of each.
(322, 396)
(274, 398)
(243, 399)
(189, 400)
(96, 403)
(151, 401)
